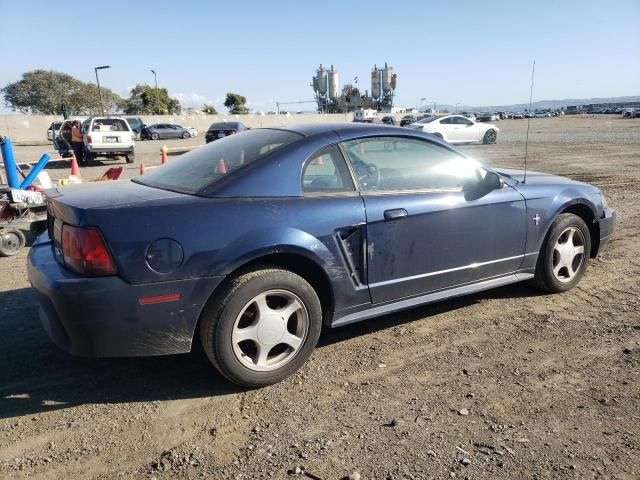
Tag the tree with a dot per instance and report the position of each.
(147, 100)
(209, 109)
(236, 103)
(43, 91)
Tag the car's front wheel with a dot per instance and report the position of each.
(490, 137)
(155, 136)
(186, 135)
(262, 326)
(564, 255)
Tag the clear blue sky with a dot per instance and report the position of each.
(472, 52)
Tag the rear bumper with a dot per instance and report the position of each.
(103, 317)
(607, 225)
(115, 149)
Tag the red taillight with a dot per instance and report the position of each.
(85, 252)
(89, 140)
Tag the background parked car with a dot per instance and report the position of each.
(408, 120)
(389, 120)
(458, 129)
(136, 125)
(164, 130)
(54, 126)
(109, 137)
(223, 129)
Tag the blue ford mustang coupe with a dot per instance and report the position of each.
(256, 241)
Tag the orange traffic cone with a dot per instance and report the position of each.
(163, 155)
(75, 170)
(221, 168)
(142, 169)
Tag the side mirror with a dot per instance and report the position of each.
(493, 181)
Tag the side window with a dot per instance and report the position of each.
(326, 172)
(396, 163)
(447, 121)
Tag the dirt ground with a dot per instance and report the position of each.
(505, 384)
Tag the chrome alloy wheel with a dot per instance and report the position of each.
(491, 136)
(568, 254)
(270, 330)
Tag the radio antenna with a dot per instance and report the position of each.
(526, 142)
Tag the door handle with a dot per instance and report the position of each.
(395, 213)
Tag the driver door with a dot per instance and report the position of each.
(465, 130)
(430, 224)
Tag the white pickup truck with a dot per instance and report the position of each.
(109, 137)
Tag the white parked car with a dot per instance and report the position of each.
(109, 137)
(458, 129)
(54, 126)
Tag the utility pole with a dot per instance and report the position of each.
(157, 95)
(98, 82)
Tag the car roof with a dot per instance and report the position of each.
(344, 129)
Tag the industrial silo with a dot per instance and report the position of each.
(375, 82)
(333, 83)
(321, 78)
(387, 76)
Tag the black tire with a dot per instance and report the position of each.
(186, 135)
(545, 278)
(490, 137)
(130, 158)
(11, 241)
(218, 320)
(155, 136)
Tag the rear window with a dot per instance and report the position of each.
(427, 120)
(200, 168)
(224, 126)
(109, 125)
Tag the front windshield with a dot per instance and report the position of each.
(193, 171)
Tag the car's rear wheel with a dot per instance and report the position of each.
(155, 136)
(261, 327)
(564, 255)
(11, 241)
(186, 135)
(130, 158)
(490, 137)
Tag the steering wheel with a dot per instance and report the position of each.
(368, 174)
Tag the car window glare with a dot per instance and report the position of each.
(406, 164)
(202, 167)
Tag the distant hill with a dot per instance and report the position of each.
(542, 104)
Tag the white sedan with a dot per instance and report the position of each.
(458, 129)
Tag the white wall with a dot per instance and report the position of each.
(33, 128)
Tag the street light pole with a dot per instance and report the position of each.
(434, 108)
(157, 96)
(421, 100)
(457, 106)
(98, 82)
